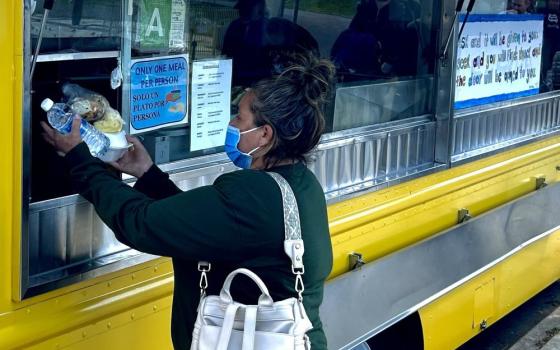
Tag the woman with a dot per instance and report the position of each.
(236, 222)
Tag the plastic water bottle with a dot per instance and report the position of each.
(60, 117)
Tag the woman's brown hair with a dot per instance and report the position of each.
(292, 104)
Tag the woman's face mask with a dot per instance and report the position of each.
(240, 159)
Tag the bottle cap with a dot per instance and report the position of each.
(47, 104)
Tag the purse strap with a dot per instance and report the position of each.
(293, 242)
(225, 295)
(227, 326)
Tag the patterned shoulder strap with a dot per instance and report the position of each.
(293, 243)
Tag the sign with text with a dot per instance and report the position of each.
(160, 25)
(498, 58)
(158, 92)
(211, 103)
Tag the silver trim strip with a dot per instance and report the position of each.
(26, 155)
(73, 56)
(117, 262)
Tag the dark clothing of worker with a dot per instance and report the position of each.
(358, 53)
(380, 40)
(261, 48)
(550, 68)
(236, 222)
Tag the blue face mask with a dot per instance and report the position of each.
(240, 159)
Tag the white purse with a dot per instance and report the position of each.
(224, 324)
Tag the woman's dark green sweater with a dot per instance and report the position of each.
(236, 222)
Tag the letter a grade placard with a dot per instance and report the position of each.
(160, 25)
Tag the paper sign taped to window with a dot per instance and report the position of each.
(211, 103)
(160, 25)
(498, 58)
(158, 92)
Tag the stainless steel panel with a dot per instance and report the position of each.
(190, 179)
(103, 241)
(355, 163)
(52, 238)
(387, 290)
(71, 56)
(26, 223)
(33, 263)
(79, 236)
(67, 241)
(479, 131)
(381, 102)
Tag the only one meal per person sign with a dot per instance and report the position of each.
(158, 92)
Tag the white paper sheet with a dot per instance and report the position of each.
(498, 58)
(210, 103)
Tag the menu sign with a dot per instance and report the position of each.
(211, 101)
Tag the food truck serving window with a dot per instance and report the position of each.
(171, 72)
(383, 51)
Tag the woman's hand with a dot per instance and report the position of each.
(63, 143)
(136, 161)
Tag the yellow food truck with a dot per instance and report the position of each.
(439, 162)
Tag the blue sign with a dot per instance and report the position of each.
(158, 92)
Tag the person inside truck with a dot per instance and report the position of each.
(550, 64)
(259, 45)
(238, 220)
(381, 41)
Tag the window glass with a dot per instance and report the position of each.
(159, 75)
(78, 26)
(550, 70)
(384, 54)
(80, 44)
(384, 51)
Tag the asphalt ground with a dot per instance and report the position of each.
(534, 325)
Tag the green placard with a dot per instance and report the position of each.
(153, 24)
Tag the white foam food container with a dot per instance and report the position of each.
(118, 146)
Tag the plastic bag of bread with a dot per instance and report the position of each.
(88, 104)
